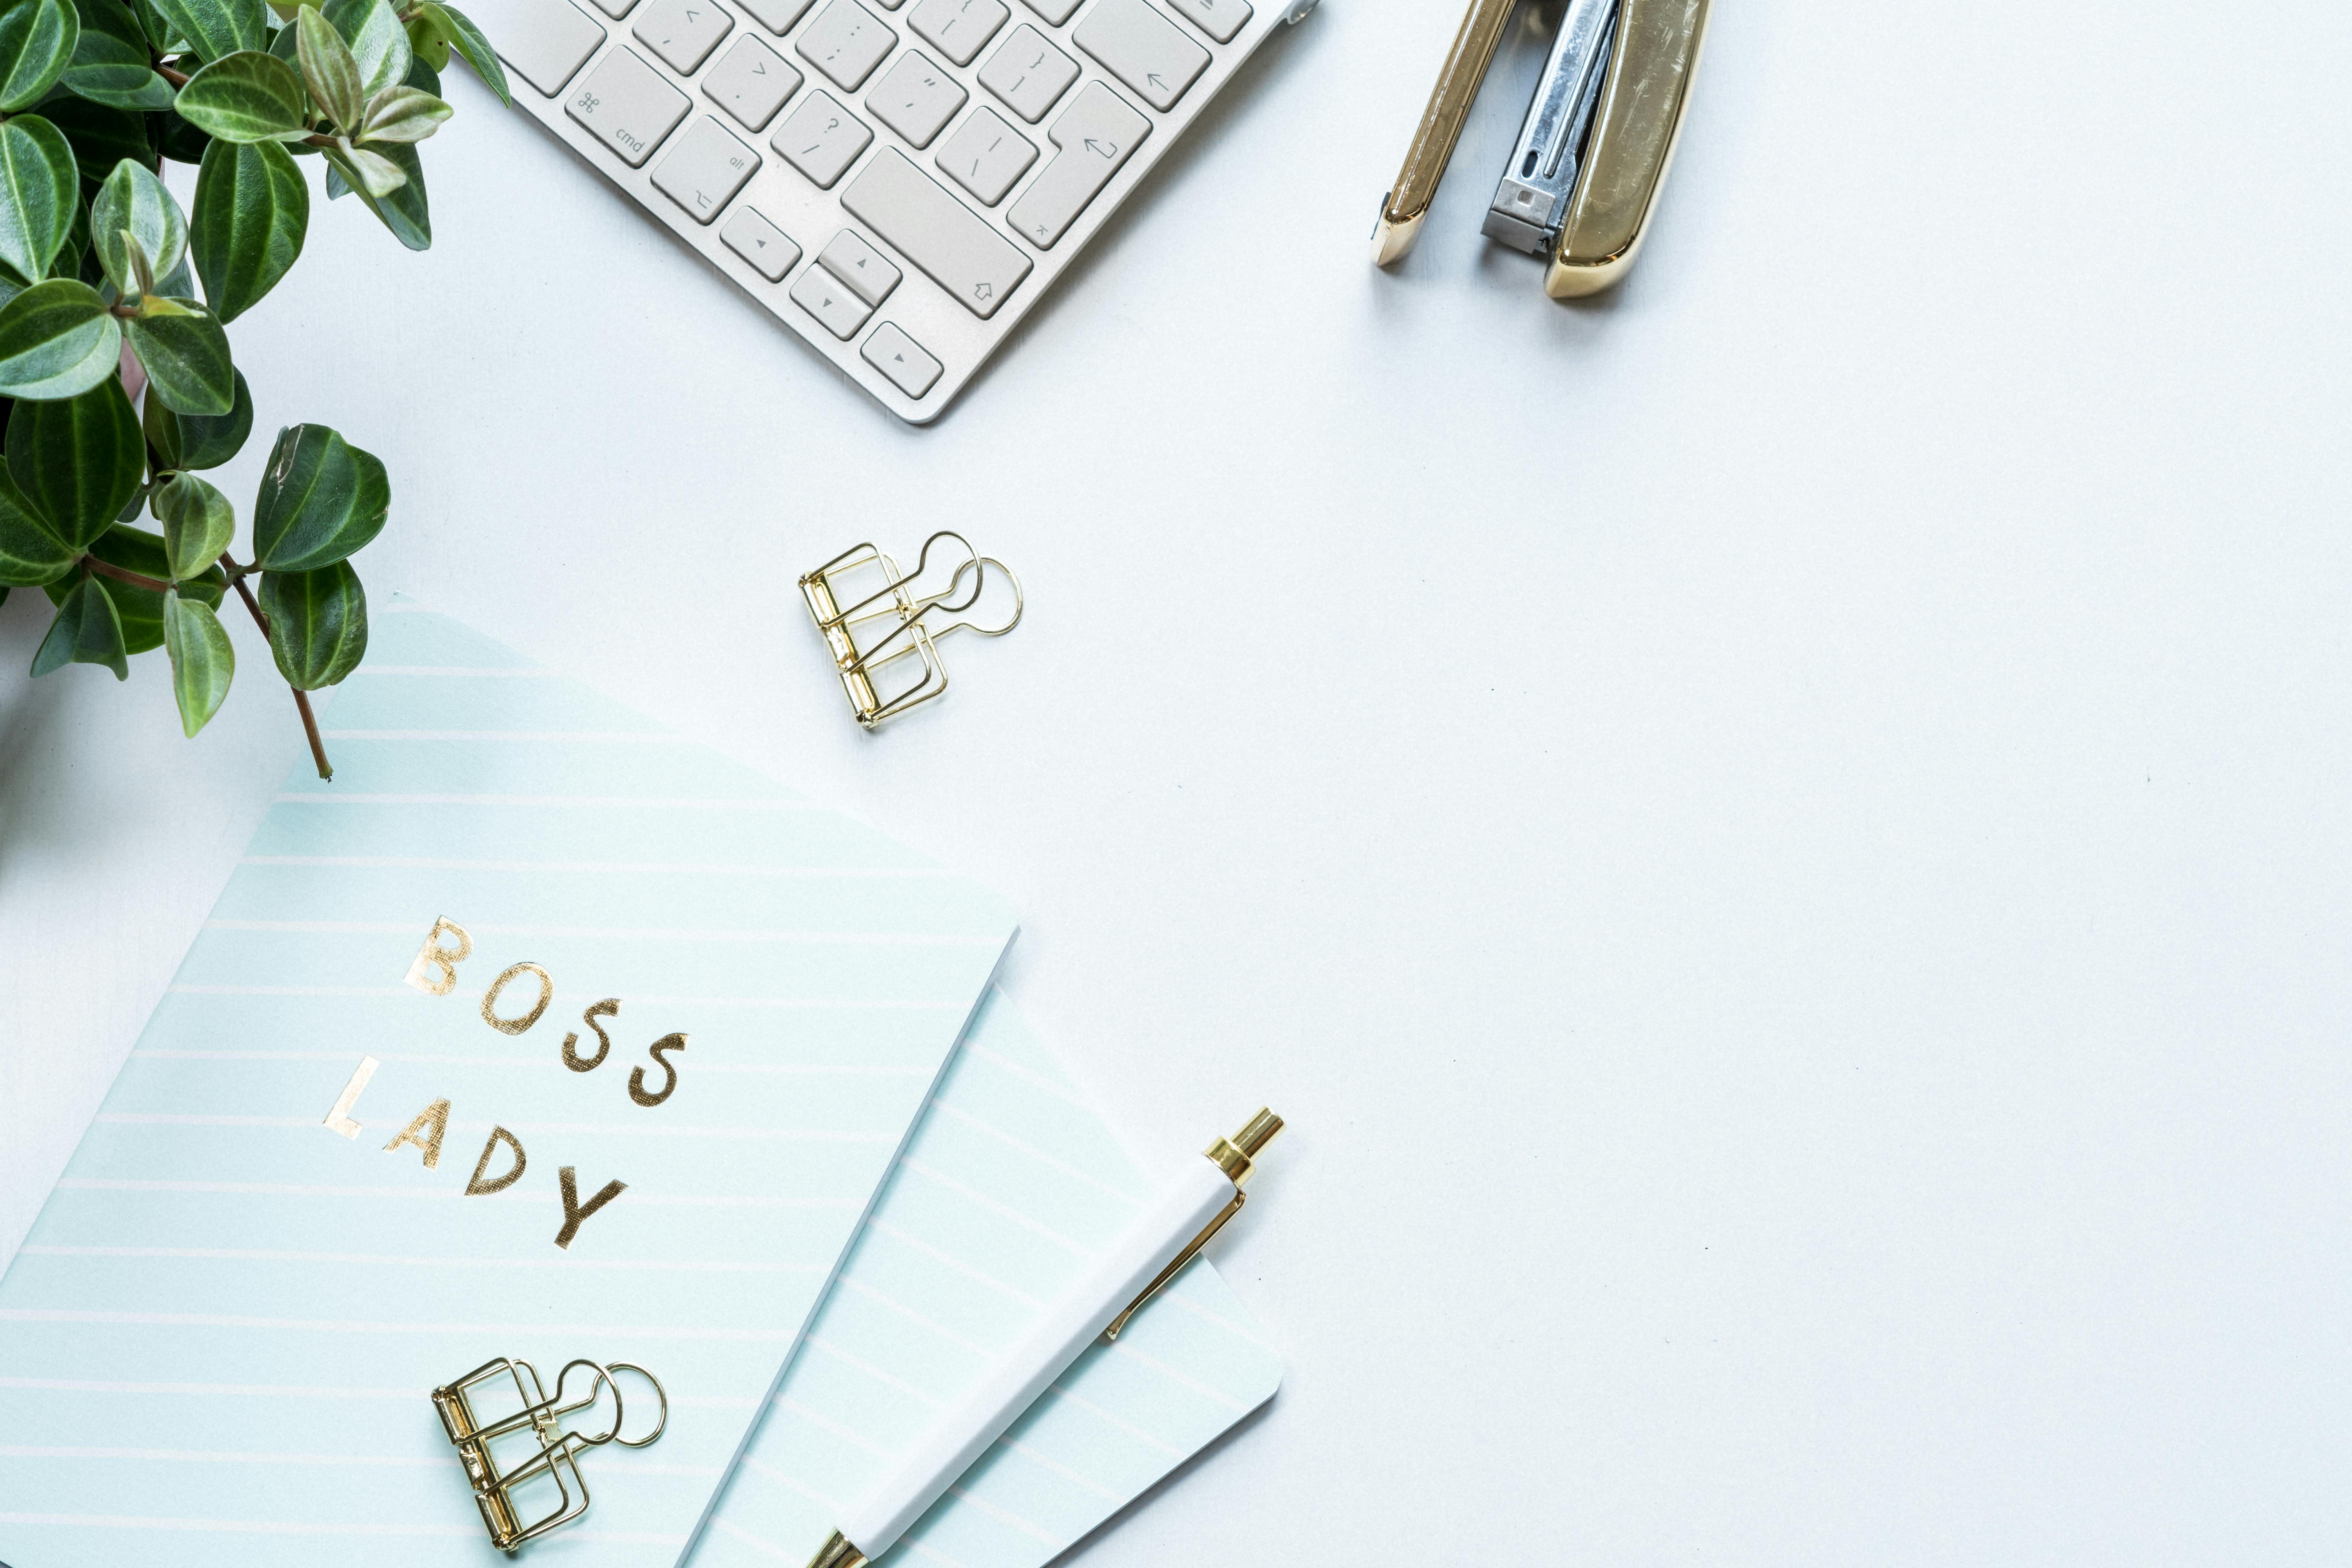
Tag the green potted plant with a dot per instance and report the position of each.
(99, 304)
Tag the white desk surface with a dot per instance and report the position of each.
(1781, 836)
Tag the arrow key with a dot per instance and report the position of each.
(902, 359)
(1143, 49)
(752, 236)
(1096, 136)
(868, 272)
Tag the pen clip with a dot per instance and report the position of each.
(1176, 1263)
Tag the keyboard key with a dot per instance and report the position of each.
(777, 16)
(915, 98)
(705, 169)
(958, 27)
(985, 157)
(866, 272)
(1094, 136)
(937, 233)
(616, 9)
(900, 358)
(821, 139)
(847, 41)
(752, 82)
(1220, 19)
(683, 32)
(1028, 73)
(1143, 49)
(767, 247)
(628, 103)
(543, 41)
(1055, 11)
(824, 296)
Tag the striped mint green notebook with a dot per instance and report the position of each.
(1009, 1181)
(217, 1343)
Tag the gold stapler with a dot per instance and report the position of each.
(1584, 174)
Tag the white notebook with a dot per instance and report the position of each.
(217, 1344)
(1010, 1181)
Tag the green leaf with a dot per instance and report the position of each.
(202, 663)
(31, 553)
(101, 137)
(112, 61)
(86, 631)
(318, 624)
(36, 194)
(179, 140)
(77, 460)
(57, 340)
(466, 38)
(369, 170)
(69, 260)
(378, 43)
(404, 211)
(132, 206)
(321, 499)
(141, 610)
(328, 70)
(253, 208)
(197, 440)
(428, 46)
(37, 44)
(246, 97)
(185, 352)
(160, 37)
(198, 523)
(215, 29)
(402, 114)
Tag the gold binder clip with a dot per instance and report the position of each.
(546, 1453)
(1583, 180)
(904, 621)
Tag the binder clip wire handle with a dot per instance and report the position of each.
(914, 635)
(555, 1453)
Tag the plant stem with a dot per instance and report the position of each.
(301, 698)
(107, 569)
(177, 78)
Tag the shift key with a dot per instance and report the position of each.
(1095, 135)
(936, 232)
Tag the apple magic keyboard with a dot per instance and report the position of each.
(898, 181)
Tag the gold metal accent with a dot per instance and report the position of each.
(1234, 1156)
(610, 1007)
(836, 1553)
(908, 631)
(575, 1213)
(478, 1188)
(1635, 132)
(426, 1131)
(339, 1119)
(432, 956)
(1404, 207)
(517, 1026)
(552, 1454)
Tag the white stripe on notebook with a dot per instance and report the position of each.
(1127, 1348)
(920, 1322)
(1043, 1158)
(281, 1391)
(772, 1070)
(613, 867)
(621, 1130)
(619, 933)
(640, 737)
(372, 1260)
(256, 1527)
(300, 1190)
(1068, 1474)
(933, 1173)
(828, 1425)
(804, 1004)
(533, 672)
(909, 1240)
(204, 1457)
(1006, 1516)
(1148, 1439)
(1015, 1070)
(667, 802)
(347, 1326)
(875, 1372)
(790, 1483)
